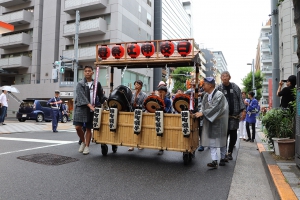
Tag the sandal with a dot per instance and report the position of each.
(131, 149)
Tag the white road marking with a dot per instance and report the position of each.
(9, 152)
(37, 140)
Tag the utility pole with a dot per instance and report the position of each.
(77, 24)
(275, 53)
(253, 79)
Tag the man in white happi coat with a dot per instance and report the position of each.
(214, 110)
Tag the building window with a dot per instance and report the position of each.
(149, 2)
(148, 19)
(140, 8)
(130, 77)
(295, 43)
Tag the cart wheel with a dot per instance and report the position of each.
(114, 148)
(186, 158)
(104, 149)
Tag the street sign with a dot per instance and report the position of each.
(54, 73)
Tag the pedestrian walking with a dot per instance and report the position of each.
(214, 109)
(137, 101)
(236, 105)
(4, 106)
(252, 109)
(55, 103)
(85, 106)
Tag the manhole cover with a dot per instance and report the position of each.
(48, 159)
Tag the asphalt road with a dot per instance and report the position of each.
(141, 174)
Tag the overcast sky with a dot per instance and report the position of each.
(233, 27)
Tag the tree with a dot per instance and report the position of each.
(247, 82)
(296, 4)
(179, 77)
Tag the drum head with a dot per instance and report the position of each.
(181, 105)
(152, 106)
(114, 104)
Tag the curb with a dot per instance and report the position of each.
(278, 184)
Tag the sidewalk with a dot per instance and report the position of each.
(258, 175)
(13, 126)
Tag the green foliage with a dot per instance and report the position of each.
(278, 123)
(179, 80)
(247, 82)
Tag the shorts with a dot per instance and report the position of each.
(88, 125)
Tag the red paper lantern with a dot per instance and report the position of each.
(184, 48)
(133, 50)
(147, 49)
(104, 52)
(167, 48)
(117, 51)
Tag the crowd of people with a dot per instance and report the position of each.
(222, 109)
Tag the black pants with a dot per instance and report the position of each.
(232, 140)
(248, 130)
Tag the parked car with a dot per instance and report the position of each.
(37, 110)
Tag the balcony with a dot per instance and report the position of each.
(264, 36)
(86, 28)
(265, 59)
(84, 54)
(15, 62)
(8, 3)
(17, 18)
(265, 48)
(267, 70)
(13, 41)
(265, 93)
(84, 5)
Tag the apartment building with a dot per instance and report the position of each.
(266, 63)
(221, 63)
(44, 31)
(288, 42)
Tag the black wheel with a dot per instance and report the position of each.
(104, 149)
(186, 158)
(64, 119)
(114, 148)
(21, 120)
(40, 117)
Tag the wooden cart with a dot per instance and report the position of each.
(173, 136)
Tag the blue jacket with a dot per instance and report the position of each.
(251, 111)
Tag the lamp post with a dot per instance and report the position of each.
(253, 78)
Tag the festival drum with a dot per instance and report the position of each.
(181, 102)
(120, 98)
(154, 103)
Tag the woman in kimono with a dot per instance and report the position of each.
(214, 109)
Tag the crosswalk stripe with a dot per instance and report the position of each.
(37, 140)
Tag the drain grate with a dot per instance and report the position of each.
(47, 159)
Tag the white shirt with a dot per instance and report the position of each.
(210, 96)
(3, 100)
(91, 86)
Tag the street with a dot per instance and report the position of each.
(140, 174)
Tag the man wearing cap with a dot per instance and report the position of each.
(286, 93)
(237, 109)
(55, 104)
(214, 110)
(138, 98)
